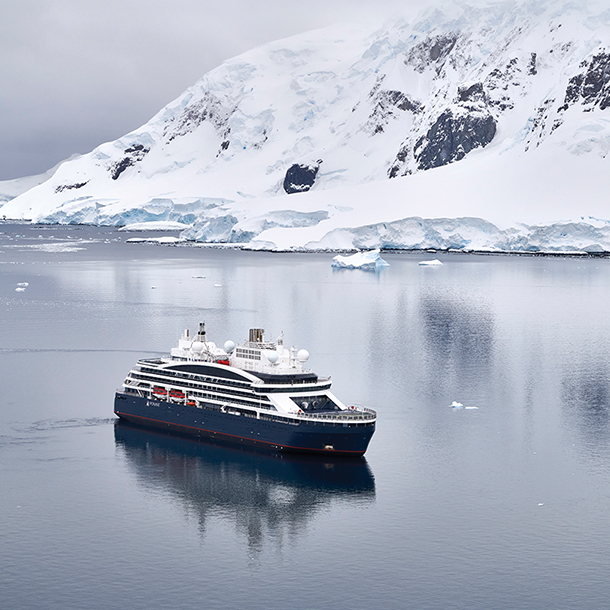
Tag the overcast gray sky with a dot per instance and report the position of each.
(76, 73)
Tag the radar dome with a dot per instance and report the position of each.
(272, 357)
(197, 346)
(229, 346)
(303, 355)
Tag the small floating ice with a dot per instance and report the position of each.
(23, 284)
(199, 277)
(432, 263)
(153, 287)
(459, 405)
(20, 289)
(368, 261)
(217, 285)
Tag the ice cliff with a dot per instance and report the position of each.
(472, 127)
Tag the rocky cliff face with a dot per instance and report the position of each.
(591, 86)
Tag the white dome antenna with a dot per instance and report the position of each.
(303, 356)
(272, 357)
(229, 346)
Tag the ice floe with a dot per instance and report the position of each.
(459, 405)
(367, 261)
(432, 263)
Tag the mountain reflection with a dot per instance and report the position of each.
(459, 338)
(586, 402)
(265, 495)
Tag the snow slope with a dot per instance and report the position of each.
(472, 127)
(9, 189)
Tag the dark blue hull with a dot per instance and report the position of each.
(312, 436)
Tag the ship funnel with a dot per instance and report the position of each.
(256, 335)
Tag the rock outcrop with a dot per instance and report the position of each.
(456, 132)
(592, 85)
(133, 154)
(300, 178)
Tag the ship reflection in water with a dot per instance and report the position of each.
(266, 495)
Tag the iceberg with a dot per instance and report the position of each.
(368, 261)
(432, 263)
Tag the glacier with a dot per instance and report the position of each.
(473, 127)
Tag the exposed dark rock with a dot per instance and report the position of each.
(403, 153)
(133, 154)
(136, 148)
(472, 93)
(531, 69)
(386, 105)
(592, 86)
(118, 168)
(258, 145)
(401, 101)
(498, 82)
(209, 108)
(432, 52)
(456, 132)
(66, 187)
(300, 178)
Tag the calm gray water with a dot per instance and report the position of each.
(501, 507)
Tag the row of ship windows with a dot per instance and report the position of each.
(279, 418)
(222, 381)
(201, 378)
(250, 354)
(215, 396)
(155, 378)
(261, 404)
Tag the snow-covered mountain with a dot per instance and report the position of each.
(472, 127)
(9, 189)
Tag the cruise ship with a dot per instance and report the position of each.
(257, 393)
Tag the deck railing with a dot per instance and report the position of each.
(355, 414)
